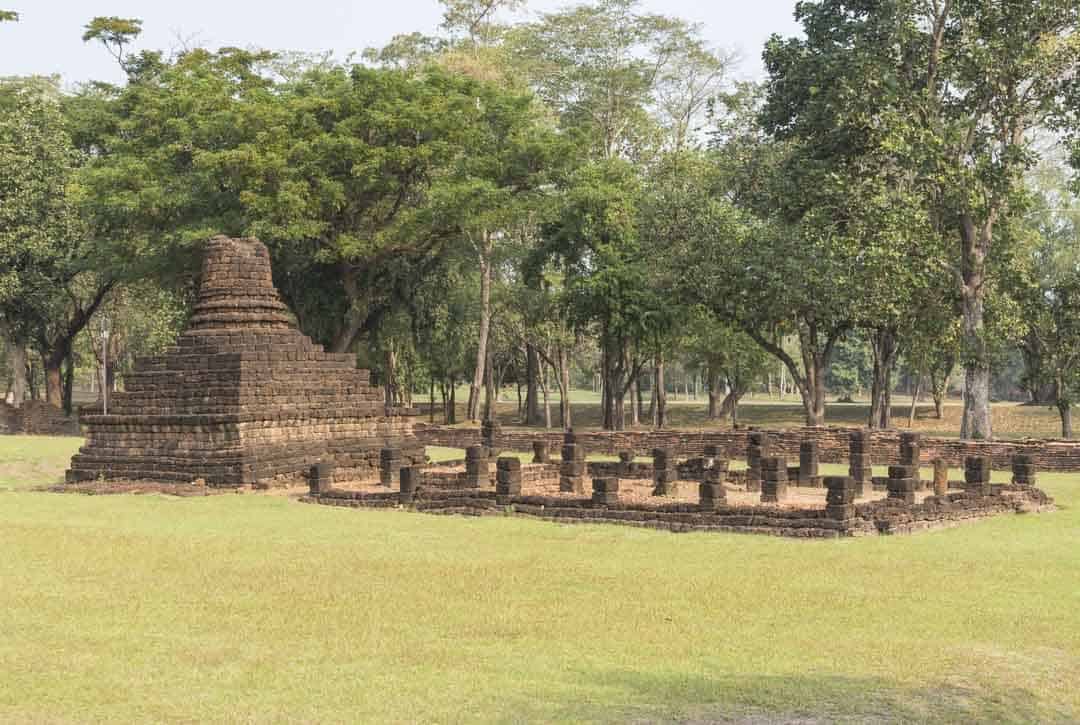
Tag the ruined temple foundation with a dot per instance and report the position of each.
(244, 398)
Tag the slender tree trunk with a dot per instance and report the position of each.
(885, 351)
(661, 392)
(564, 388)
(17, 360)
(451, 417)
(391, 393)
(485, 328)
(431, 403)
(616, 384)
(1065, 411)
(915, 401)
(490, 390)
(939, 388)
(54, 378)
(652, 398)
(640, 400)
(32, 379)
(605, 389)
(976, 423)
(69, 383)
(886, 404)
(812, 389)
(714, 394)
(547, 398)
(532, 399)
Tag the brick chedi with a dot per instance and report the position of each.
(244, 397)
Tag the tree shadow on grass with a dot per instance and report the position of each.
(806, 700)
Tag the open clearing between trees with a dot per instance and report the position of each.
(251, 607)
(1011, 420)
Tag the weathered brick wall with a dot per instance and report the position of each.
(866, 520)
(36, 417)
(1048, 455)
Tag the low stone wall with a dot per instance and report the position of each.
(534, 476)
(868, 519)
(832, 442)
(36, 417)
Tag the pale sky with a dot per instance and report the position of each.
(47, 39)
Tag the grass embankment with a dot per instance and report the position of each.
(256, 608)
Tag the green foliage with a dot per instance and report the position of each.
(851, 367)
(599, 66)
(476, 19)
(44, 249)
(355, 177)
(113, 33)
(939, 99)
(9, 16)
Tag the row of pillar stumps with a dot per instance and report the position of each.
(767, 475)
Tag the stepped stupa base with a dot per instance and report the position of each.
(244, 398)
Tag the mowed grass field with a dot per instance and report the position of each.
(256, 608)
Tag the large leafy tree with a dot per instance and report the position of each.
(599, 66)
(332, 166)
(1043, 280)
(596, 239)
(958, 85)
(54, 271)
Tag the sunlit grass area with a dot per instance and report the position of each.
(258, 608)
(29, 461)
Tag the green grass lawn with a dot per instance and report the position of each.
(256, 608)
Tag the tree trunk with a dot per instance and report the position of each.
(914, 401)
(17, 360)
(714, 394)
(976, 423)
(547, 398)
(54, 385)
(485, 327)
(886, 403)
(452, 413)
(652, 399)
(490, 391)
(69, 383)
(660, 421)
(564, 388)
(391, 393)
(815, 363)
(32, 379)
(938, 389)
(635, 403)
(640, 400)
(1065, 411)
(605, 390)
(532, 398)
(616, 386)
(885, 351)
